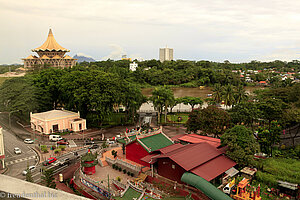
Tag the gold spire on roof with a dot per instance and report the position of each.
(50, 44)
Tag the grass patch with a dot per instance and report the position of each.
(174, 118)
(280, 169)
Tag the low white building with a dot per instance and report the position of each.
(57, 121)
(133, 66)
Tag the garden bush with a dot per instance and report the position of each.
(128, 173)
(120, 169)
(113, 166)
(124, 171)
(132, 174)
(56, 151)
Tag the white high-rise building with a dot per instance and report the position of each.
(165, 54)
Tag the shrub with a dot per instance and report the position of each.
(62, 147)
(118, 179)
(45, 150)
(128, 173)
(53, 147)
(120, 169)
(56, 151)
(132, 174)
(113, 166)
(124, 171)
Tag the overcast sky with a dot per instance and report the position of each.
(218, 30)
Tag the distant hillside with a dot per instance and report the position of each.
(83, 58)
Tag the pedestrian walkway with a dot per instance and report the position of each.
(20, 160)
(72, 143)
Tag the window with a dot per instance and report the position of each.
(173, 166)
(80, 126)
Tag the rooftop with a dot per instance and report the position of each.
(54, 114)
(155, 142)
(50, 44)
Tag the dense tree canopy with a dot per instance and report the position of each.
(209, 120)
(241, 144)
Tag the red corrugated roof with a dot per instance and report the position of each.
(175, 138)
(170, 148)
(214, 167)
(192, 155)
(194, 138)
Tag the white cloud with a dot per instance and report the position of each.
(225, 29)
(116, 53)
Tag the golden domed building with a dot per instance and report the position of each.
(50, 53)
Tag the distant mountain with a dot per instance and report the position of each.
(83, 58)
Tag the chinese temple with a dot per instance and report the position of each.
(51, 54)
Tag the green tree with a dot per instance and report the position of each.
(18, 94)
(28, 175)
(241, 145)
(192, 101)
(217, 93)
(245, 113)
(162, 98)
(269, 136)
(48, 178)
(228, 95)
(132, 98)
(210, 120)
(239, 94)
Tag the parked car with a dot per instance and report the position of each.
(31, 168)
(94, 146)
(28, 141)
(55, 138)
(49, 161)
(62, 142)
(17, 150)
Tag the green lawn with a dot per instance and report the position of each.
(277, 169)
(173, 118)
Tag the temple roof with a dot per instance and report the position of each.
(45, 57)
(50, 44)
(68, 57)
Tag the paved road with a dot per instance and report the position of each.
(17, 163)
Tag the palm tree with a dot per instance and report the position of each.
(240, 94)
(228, 95)
(217, 93)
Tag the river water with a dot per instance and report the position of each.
(182, 92)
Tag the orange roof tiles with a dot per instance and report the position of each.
(50, 44)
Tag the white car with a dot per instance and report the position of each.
(17, 150)
(28, 141)
(31, 168)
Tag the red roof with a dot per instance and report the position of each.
(214, 167)
(194, 138)
(170, 148)
(192, 155)
(262, 82)
(175, 138)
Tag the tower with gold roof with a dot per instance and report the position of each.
(50, 53)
